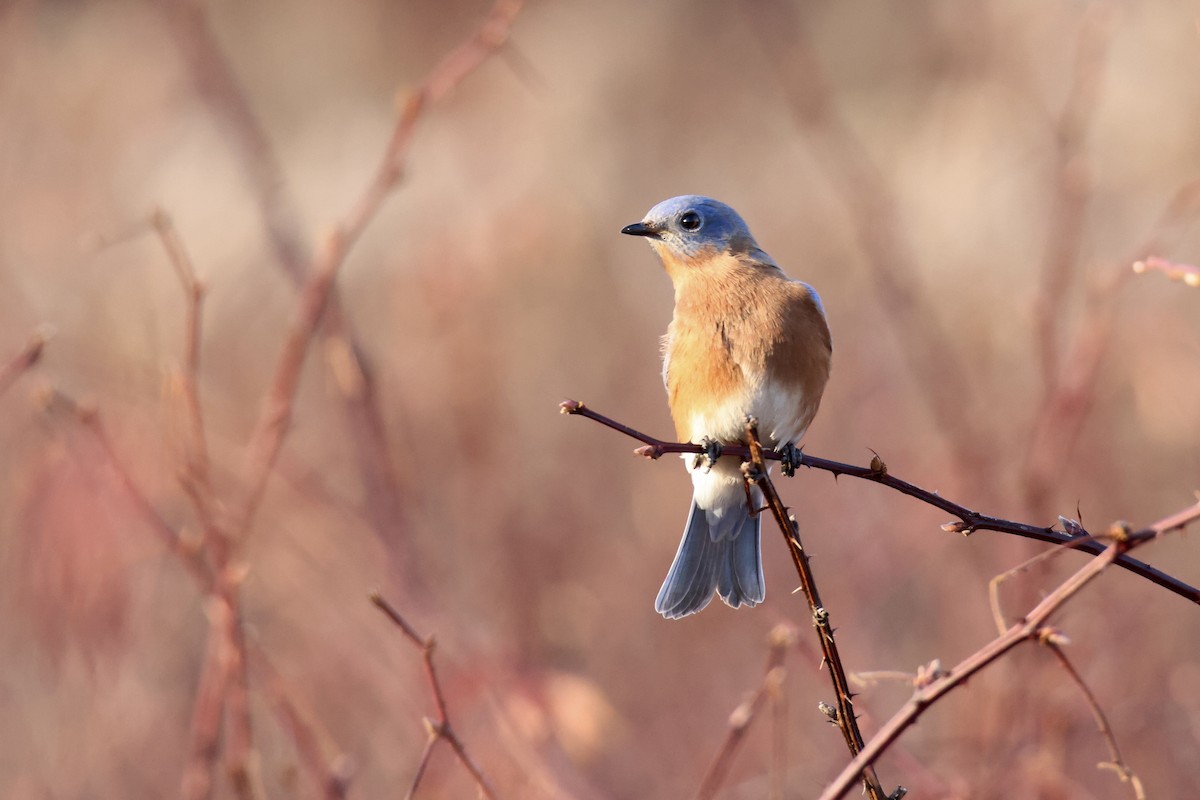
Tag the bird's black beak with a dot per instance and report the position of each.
(640, 229)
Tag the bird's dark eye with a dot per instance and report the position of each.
(690, 221)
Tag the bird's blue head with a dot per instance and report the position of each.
(692, 226)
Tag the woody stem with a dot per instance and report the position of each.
(756, 472)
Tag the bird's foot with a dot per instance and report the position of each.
(790, 458)
(707, 459)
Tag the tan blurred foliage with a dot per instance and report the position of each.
(493, 285)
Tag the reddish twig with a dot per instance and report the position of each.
(994, 583)
(439, 729)
(330, 776)
(24, 359)
(845, 718)
(187, 549)
(1061, 416)
(448, 74)
(239, 752)
(275, 419)
(874, 212)
(1071, 185)
(225, 588)
(1031, 628)
(218, 86)
(208, 707)
(189, 373)
(779, 639)
(1115, 762)
(968, 521)
(459, 63)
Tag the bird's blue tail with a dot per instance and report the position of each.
(715, 553)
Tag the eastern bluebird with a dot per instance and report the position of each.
(745, 340)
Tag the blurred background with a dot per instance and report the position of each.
(967, 185)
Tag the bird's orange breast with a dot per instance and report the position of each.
(744, 340)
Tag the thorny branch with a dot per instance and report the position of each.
(1032, 628)
(846, 718)
(440, 728)
(968, 521)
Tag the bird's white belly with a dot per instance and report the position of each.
(783, 415)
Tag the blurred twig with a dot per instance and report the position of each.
(1116, 763)
(332, 776)
(219, 87)
(187, 549)
(224, 687)
(968, 520)
(779, 639)
(208, 707)
(276, 415)
(874, 213)
(845, 718)
(1061, 416)
(439, 729)
(1031, 628)
(24, 359)
(1071, 186)
(189, 373)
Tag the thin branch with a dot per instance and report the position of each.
(276, 416)
(197, 486)
(846, 717)
(217, 85)
(219, 88)
(23, 360)
(422, 764)
(448, 74)
(1115, 762)
(196, 476)
(994, 583)
(189, 374)
(187, 549)
(439, 729)
(873, 209)
(208, 707)
(1071, 186)
(779, 639)
(968, 521)
(330, 776)
(273, 424)
(1061, 416)
(239, 752)
(1031, 628)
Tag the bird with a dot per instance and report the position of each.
(744, 340)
